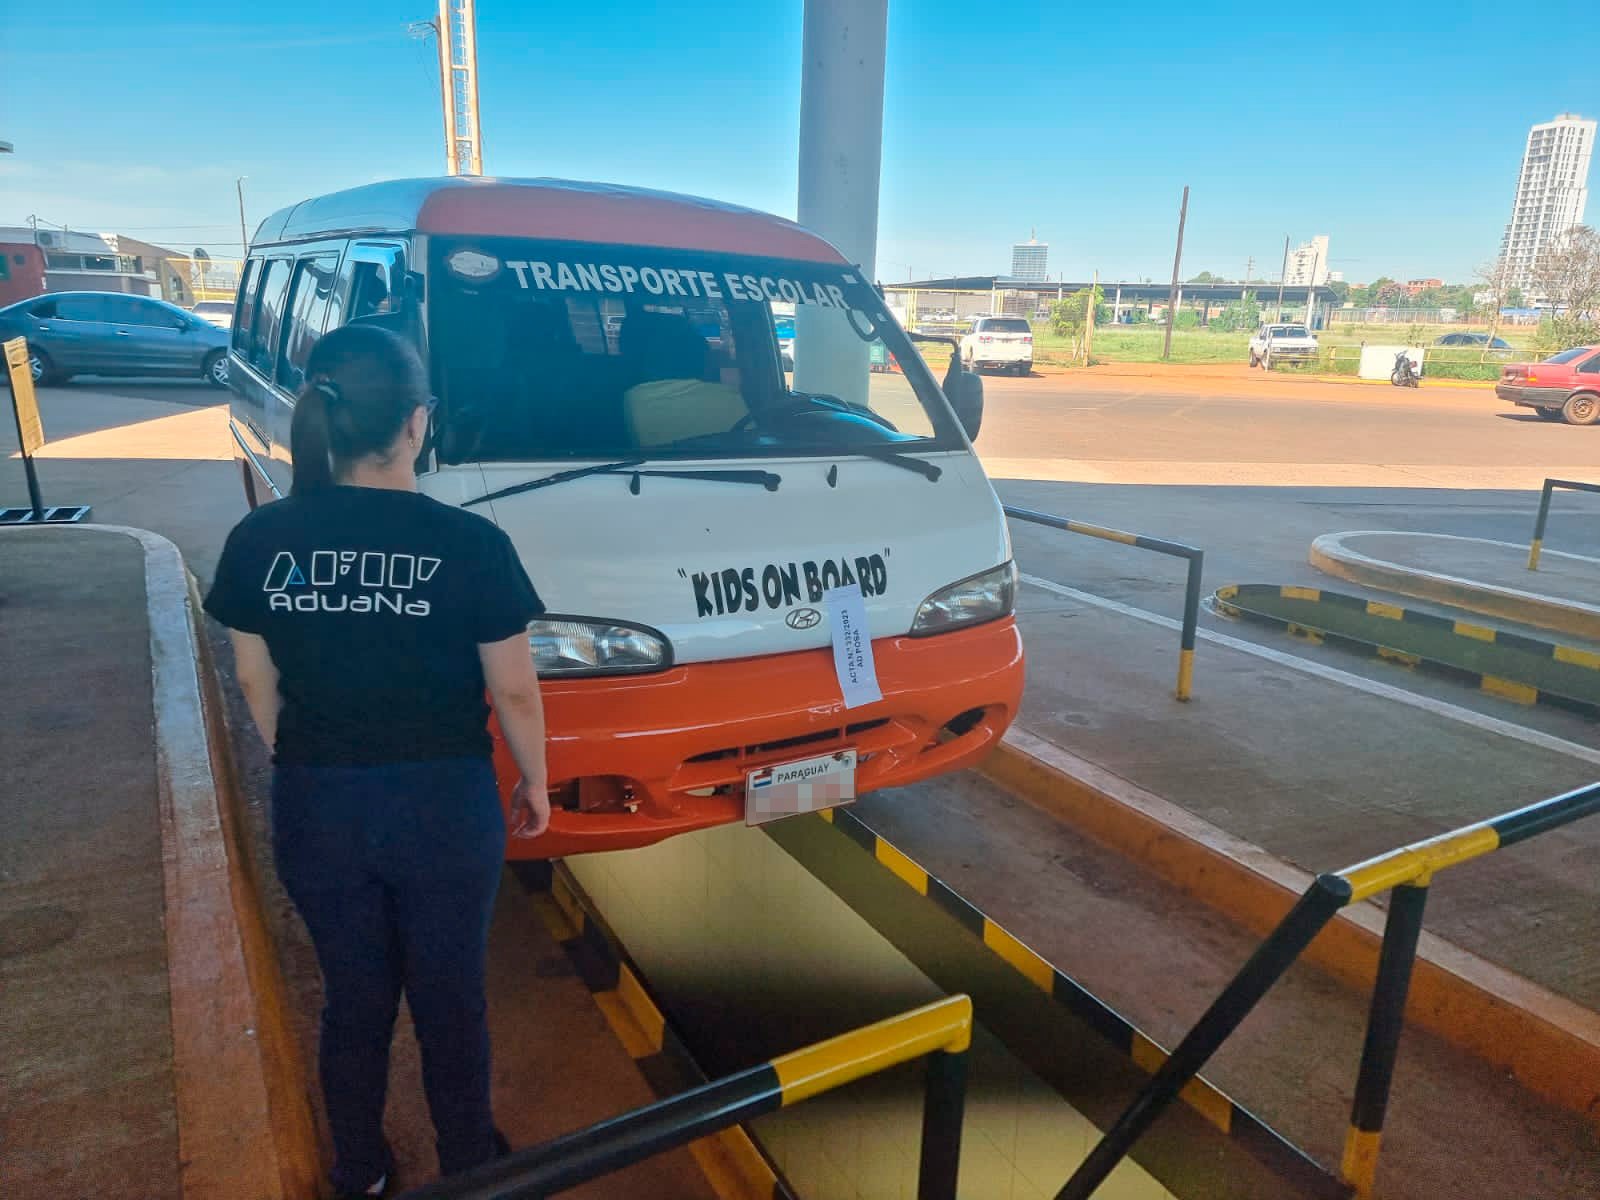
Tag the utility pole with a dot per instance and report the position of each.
(1088, 322)
(1311, 291)
(1281, 276)
(244, 237)
(1177, 260)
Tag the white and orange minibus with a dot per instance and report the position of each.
(698, 518)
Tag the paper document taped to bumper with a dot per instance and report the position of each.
(852, 646)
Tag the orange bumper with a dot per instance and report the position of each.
(669, 753)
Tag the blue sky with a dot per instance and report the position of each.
(1397, 131)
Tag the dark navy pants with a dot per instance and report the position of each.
(394, 871)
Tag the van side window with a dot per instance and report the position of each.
(246, 315)
(372, 290)
(308, 310)
(268, 316)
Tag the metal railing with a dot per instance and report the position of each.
(941, 1032)
(1550, 485)
(1191, 596)
(1409, 871)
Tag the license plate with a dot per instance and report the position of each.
(806, 785)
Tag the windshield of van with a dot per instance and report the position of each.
(545, 350)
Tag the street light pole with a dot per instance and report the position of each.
(244, 238)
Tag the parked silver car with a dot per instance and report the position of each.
(109, 333)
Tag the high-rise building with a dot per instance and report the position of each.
(1552, 189)
(1028, 259)
(1308, 263)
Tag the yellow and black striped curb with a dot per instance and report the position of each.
(1253, 1135)
(731, 1161)
(1233, 601)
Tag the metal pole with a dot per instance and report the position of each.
(1177, 258)
(1538, 526)
(244, 236)
(1311, 290)
(943, 1108)
(33, 487)
(1326, 895)
(843, 46)
(1282, 275)
(1191, 617)
(1386, 1019)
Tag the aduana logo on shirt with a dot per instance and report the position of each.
(357, 581)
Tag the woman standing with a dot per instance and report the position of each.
(367, 622)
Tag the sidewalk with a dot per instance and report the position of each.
(86, 1067)
(1475, 574)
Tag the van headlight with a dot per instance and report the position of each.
(566, 646)
(979, 598)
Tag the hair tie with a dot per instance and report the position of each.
(328, 388)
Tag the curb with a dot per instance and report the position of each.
(1230, 601)
(732, 1163)
(1548, 1043)
(1330, 555)
(245, 1126)
(1477, 385)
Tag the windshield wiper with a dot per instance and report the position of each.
(765, 479)
(543, 481)
(885, 453)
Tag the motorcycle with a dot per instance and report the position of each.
(1405, 373)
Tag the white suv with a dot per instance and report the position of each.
(1004, 342)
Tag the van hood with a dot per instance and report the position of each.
(728, 570)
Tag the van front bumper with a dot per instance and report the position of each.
(635, 759)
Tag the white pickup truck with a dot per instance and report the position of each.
(1004, 342)
(1282, 343)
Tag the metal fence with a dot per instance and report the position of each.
(188, 281)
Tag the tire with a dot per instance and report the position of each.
(44, 371)
(215, 370)
(1254, 361)
(1581, 408)
(1549, 414)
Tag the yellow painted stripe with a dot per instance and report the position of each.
(1578, 658)
(902, 866)
(1377, 608)
(1100, 531)
(554, 918)
(733, 1166)
(1359, 1166)
(1019, 956)
(1300, 593)
(645, 1014)
(1399, 656)
(1510, 689)
(1467, 629)
(827, 815)
(1226, 609)
(1314, 636)
(1185, 673)
(1197, 1093)
(943, 1025)
(1533, 553)
(634, 1039)
(562, 893)
(1228, 592)
(1146, 1055)
(1418, 861)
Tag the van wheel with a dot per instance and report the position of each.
(216, 368)
(1581, 409)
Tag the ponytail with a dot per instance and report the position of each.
(363, 383)
(310, 447)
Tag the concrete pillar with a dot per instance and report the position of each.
(843, 44)
(1116, 307)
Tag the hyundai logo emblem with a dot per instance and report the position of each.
(803, 618)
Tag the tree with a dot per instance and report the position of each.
(1069, 316)
(1207, 277)
(1496, 278)
(1340, 289)
(1568, 273)
(1390, 294)
(1240, 314)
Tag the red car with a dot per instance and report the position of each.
(1564, 387)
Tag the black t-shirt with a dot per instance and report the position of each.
(373, 603)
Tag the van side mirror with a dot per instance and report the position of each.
(964, 390)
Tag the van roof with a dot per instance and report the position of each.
(551, 209)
